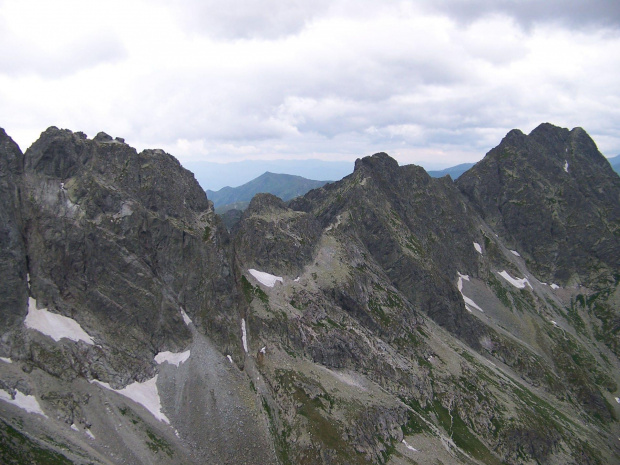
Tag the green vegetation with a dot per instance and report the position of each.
(206, 235)
(250, 291)
(16, 449)
(281, 437)
(315, 410)
(414, 425)
(414, 245)
(376, 308)
(461, 435)
(500, 291)
(157, 444)
(607, 330)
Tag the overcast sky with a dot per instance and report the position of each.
(430, 82)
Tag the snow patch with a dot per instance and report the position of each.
(263, 350)
(265, 279)
(90, 434)
(409, 447)
(145, 394)
(28, 280)
(618, 399)
(514, 252)
(230, 359)
(54, 325)
(469, 304)
(516, 282)
(185, 317)
(73, 427)
(462, 277)
(566, 165)
(555, 286)
(23, 401)
(244, 335)
(554, 323)
(478, 248)
(296, 279)
(172, 358)
(6, 360)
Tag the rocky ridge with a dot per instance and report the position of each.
(389, 317)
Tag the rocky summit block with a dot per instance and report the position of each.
(555, 198)
(122, 241)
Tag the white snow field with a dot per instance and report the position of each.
(145, 394)
(54, 325)
(185, 317)
(516, 282)
(244, 335)
(172, 358)
(23, 401)
(265, 279)
(469, 304)
(409, 447)
(478, 248)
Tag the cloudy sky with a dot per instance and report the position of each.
(431, 82)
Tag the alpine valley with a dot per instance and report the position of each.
(388, 317)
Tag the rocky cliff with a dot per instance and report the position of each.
(389, 317)
(553, 196)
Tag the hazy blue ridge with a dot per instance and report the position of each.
(453, 171)
(615, 163)
(285, 186)
(215, 176)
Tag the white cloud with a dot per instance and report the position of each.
(330, 80)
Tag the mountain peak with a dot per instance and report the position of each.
(379, 160)
(564, 234)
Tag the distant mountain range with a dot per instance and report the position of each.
(285, 186)
(215, 176)
(453, 171)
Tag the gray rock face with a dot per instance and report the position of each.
(555, 198)
(272, 237)
(13, 266)
(121, 248)
(417, 228)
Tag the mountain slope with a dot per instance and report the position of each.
(389, 317)
(285, 186)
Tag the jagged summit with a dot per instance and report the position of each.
(379, 160)
(544, 192)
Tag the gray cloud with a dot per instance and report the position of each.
(25, 57)
(331, 81)
(573, 13)
(247, 19)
